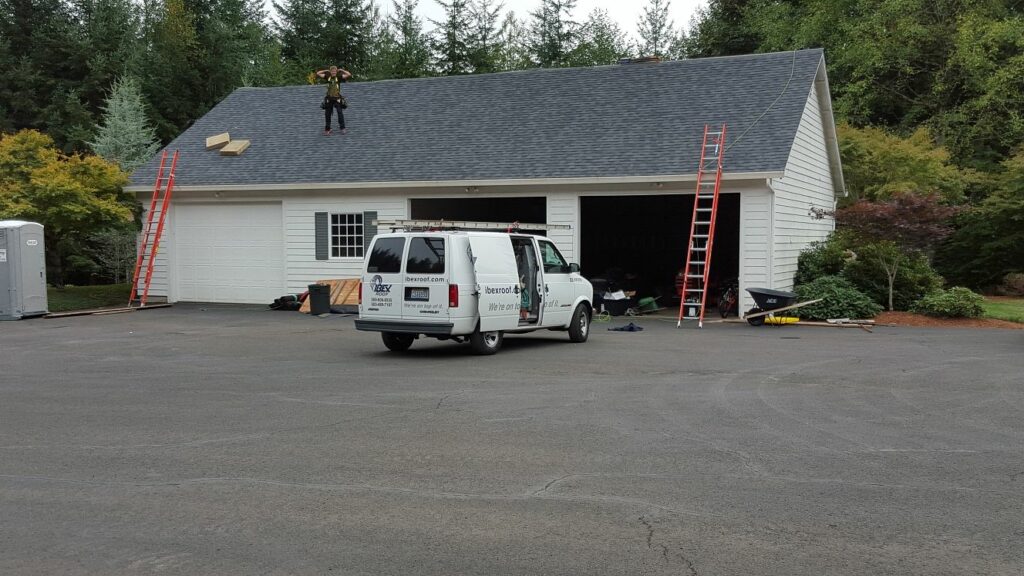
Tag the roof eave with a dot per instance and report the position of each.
(667, 178)
(829, 123)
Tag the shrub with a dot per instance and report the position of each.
(953, 303)
(914, 276)
(1013, 285)
(822, 259)
(840, 299)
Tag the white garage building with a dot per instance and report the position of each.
(610, 151)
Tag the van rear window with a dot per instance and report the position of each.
(386, 257)
(426, 256)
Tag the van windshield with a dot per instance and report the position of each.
(426, 256)
(386, 257)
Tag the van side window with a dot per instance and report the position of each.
(386, 257)
(553, 261)
(426, 256)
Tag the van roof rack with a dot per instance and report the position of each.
(462, 225)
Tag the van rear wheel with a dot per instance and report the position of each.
(579, 327)
(397, 342)
(485, 343)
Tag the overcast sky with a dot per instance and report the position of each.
(625, 12)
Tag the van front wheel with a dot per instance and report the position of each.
(397, 342)
(579, 328)
(485, 343)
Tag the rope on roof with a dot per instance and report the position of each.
(792, 72)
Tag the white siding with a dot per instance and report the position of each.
(301, 266)
(807, 184)
(159, 286)
(565, 209)
(755, 243)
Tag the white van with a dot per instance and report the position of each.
(475, 286)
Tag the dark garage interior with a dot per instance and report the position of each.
(646, 236)
(532, 209)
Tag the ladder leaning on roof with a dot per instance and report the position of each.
(702, 224)
(149, 243)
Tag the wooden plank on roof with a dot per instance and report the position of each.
(217, 142)
(234, 148)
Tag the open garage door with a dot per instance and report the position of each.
(644, 238)
(531, 209)
(228, 252)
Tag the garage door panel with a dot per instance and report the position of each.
(229, 252)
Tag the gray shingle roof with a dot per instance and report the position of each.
(608, 121)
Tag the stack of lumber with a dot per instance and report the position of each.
(344, 293)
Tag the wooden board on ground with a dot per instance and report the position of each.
(234, 148)
(219, 141)
(344, 292)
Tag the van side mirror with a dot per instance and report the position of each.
(574, 268)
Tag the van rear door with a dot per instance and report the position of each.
(425, 282)
(497, 282)
(382, 279)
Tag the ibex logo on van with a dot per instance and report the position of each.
(379, 287)
(501, 290)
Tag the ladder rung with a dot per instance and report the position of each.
(694, 289)
(701, 263)
(700, 235)
(695, 249)
(695, 276)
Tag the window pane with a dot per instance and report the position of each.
(426, 256)
(386, 256)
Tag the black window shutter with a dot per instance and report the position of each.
(323, 237)
(369, 228)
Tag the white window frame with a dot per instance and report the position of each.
(344, 245)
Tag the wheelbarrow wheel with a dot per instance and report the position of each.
(759, 321)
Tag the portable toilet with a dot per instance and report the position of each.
(22, 270)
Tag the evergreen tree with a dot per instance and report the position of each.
(301, 28)
(348, 34)
(171, 78)
(513, 45)
(111, 30)
(411, 57)
(484, 33)
(655, 29)
(42, 71)
(554, 34)
(125, 136)
(603, 42)
(451, 41)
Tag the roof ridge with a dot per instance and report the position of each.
(540, 70)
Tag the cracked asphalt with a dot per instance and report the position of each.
(232, 440)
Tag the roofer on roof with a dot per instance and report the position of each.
(334, 99)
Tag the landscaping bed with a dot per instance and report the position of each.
(911, 319)
(87, 297)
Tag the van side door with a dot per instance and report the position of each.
(559, 290)
(497, 282)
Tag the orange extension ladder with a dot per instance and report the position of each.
(702, 226)
(149, 244)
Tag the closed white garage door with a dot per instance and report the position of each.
(228, 252)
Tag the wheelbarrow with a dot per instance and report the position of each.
(769, 302)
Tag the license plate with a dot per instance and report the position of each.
(418, 294)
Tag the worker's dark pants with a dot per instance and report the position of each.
(330, 105)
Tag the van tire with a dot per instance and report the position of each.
(485, 343)
(579, 327)
(397, 342)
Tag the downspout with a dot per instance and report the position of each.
(771, 235)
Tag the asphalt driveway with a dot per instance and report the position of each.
(224, 440)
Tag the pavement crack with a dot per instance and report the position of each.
(552, 483)
(650, 530)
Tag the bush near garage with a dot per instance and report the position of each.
(826, 258)
(956, 302)
(840, 299)
(914, 275)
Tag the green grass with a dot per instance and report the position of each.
(1010, 309)
(86, 297)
